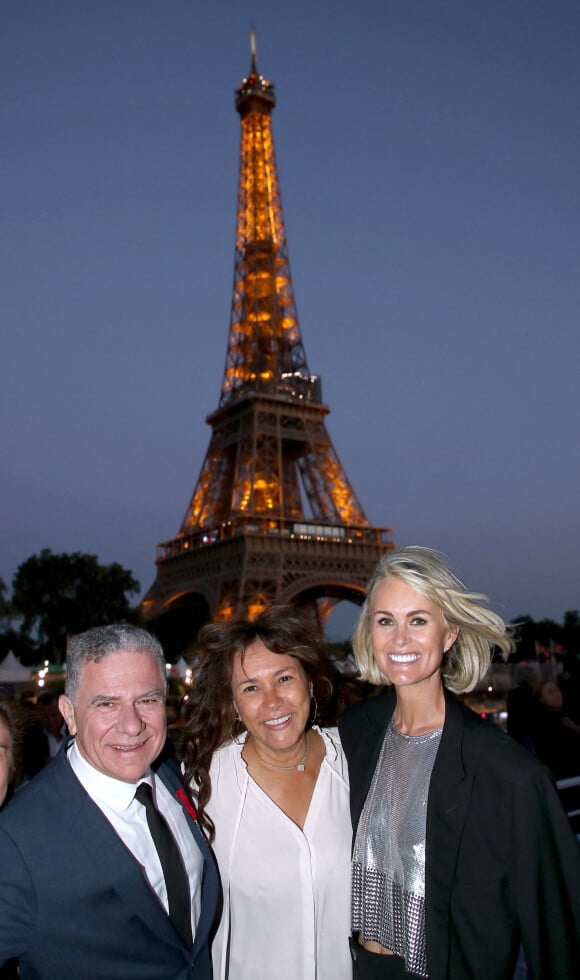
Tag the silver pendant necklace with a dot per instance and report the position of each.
(300, 767)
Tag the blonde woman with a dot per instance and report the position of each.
(462, 850)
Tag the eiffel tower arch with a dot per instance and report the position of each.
(273, 516)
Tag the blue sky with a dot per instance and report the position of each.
(428, 160)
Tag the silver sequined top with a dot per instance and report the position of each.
(388, 884)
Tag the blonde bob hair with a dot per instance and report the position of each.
(479, 630)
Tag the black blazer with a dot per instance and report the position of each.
(502, 864)
(74, 902)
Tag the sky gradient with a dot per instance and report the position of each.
(428, 156)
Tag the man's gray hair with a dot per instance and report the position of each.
(96, 644)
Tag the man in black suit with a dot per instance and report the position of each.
(85, 888)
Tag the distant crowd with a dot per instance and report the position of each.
(543, 714)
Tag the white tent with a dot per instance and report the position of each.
(12, 671)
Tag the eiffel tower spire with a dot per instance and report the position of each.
(264, 341)
(273, 515)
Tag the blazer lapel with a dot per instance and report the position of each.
(210, 885)
(449, 794)
(113, 866)
(98, 847)
(370, 734)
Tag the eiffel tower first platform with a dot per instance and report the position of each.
(273, 516)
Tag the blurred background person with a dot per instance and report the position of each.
(44, 736)
(521, 704)
(556, 736)
(272, 794)
(569, 684)
(462, 849)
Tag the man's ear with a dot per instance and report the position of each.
(68, 713)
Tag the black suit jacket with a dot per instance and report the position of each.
(502, 864)
(74, 902)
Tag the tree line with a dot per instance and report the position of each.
(57, 595)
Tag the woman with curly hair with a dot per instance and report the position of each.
(272, 794)
(462, 850)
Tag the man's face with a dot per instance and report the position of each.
(119, 719)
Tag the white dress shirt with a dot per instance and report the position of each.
(286, 890)
(116, 799)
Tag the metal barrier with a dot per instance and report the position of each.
(569, 793)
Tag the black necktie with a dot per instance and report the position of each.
(176, 882)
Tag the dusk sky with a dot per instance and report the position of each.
(429, 163)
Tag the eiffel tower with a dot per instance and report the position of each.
(273, 516)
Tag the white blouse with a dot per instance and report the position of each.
(286, 891)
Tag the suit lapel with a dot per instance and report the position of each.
(119, 870)
(449, 794)
(112, 866)
(210, 885)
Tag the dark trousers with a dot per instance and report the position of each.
(375, 966)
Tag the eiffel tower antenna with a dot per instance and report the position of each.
(273, 516)
(254, 67)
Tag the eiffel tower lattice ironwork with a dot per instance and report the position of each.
(273, 516)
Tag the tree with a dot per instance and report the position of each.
(4, 606)
(571, 630)
(58, 595)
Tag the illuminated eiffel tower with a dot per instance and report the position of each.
(273, 516)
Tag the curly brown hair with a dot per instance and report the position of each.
(212, 720)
